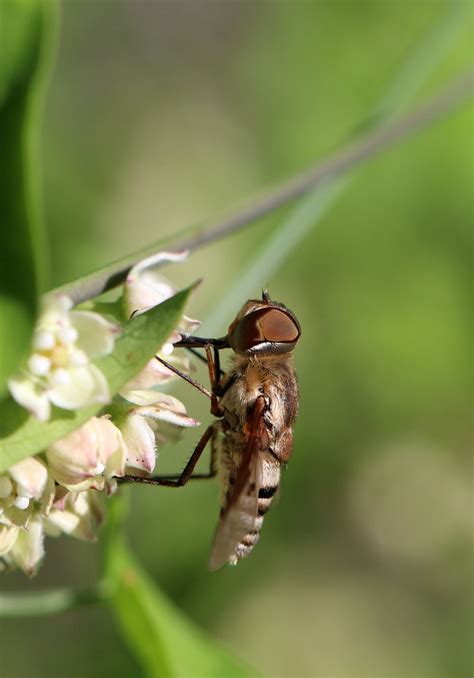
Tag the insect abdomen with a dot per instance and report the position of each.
(267, 491)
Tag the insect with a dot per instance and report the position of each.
(255, 404)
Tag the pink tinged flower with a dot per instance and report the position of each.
(140, 427)
(140, 441)
(59, 371)
(27, 487)
(88, 457)
(145, 287)
(166, 408)
(27, 550)
(76, 514)
(31, 478)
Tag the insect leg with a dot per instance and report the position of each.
(216, 376)
(186, 474)
(215, 409)
(191, 341)
(186, 377)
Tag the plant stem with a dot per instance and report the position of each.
(338, 164)
(48, 602)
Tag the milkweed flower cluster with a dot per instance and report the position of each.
(60, 370)
(63, 490)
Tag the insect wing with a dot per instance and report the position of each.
(238, 518)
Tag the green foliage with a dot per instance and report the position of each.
(163, 639)
(26, 40)
(22, 435)
(165, 642)
(381, 316)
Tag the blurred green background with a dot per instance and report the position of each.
(160, 114)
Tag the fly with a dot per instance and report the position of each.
(255, 404)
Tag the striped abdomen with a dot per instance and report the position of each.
(258, 408)
(270, 469)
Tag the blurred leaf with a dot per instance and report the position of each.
(162, 638)
(26, 41)
(22, 435)
(412, 75)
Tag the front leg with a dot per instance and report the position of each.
(214, 377)
(186, 475)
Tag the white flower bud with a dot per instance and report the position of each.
(21, 502)
(43, 340)
(167, 349)
(39, 364)
(67, 335)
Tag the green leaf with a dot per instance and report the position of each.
(165, 642)
(162, 638)
(26, 31)
(22, 435)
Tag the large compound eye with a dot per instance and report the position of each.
(277, 326)
(272, 328)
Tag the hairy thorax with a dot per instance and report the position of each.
(275, 380)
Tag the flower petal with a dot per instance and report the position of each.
(87, 385)
(30, 395)
(31, 476)
(169, 409)
(96, 334)
(152, 374)
(8, 535)
(145, 287)
(188, 325)
(88, 455)
(112, 449)
(28, 550)
(140, 441)
(169, 402)
(53, 308)
(175, 418)
(142, 398)
(76, 519)
(75, 457)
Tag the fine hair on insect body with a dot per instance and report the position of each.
(255, 405)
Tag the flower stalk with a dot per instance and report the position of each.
(49, 602)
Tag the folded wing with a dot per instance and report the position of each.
(240, 513)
